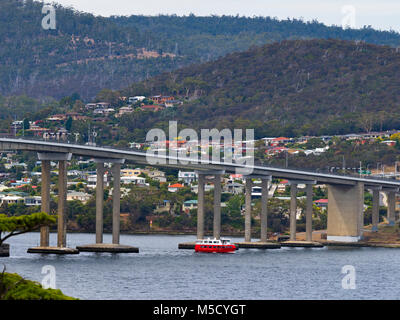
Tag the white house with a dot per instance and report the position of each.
(187, 177)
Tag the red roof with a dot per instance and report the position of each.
(280, 139)
(176, 185)
(321, 201)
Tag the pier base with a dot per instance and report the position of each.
(258, 245)
(302, 244)
(53, 250)
(107, 247)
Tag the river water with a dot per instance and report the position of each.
(160, 271)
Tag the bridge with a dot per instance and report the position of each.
(345, 193)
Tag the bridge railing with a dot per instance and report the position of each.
(326, 170)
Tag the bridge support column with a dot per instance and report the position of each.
(375, 207)
(99, 201)
(391, 210)
(345, 212)
(116, 172)
(200, 206)
(264, 210)
(62, 202)
(115, 246)
(247, 218)
(61, 247)
(217, 206)
(309, 211)
(293, 211)
(45, 193)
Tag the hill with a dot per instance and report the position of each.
(291, 88)
(86, 53)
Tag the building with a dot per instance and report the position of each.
(133, 179)
(79, 196)
(33, 201)
(175, 187)
(161, 99)
(123, 110)
(189, 205)
(136, 99)
(321, 203)
(187, 177)
(131, 172)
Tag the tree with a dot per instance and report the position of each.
(13, 226)
(68, 124)
(14, 287)
(26, 124)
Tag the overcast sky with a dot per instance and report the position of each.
(382, 14)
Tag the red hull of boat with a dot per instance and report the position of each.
(215, 248)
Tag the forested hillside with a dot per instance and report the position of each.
(299, 87)
(86, 53)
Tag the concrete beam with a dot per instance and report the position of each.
(52, 156)
(109, 160)
(264, 209)
(247, 218)
(217, 206)
(45, 193)
(306, 182)
(293, 211)
(391, 210)
(345, 212)
(200, 207)
(309, 212)
(62, 203)
(116, 172)
(375, 209)
(99, 202)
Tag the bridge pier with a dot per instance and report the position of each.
(45, 247)
(293, 211)
(45, 207)
(247, 217)
(115, 246)
(264, 209)
(217, 206)
(100, 170)
(391, 209)
(200, 206)
(345, 212)
(375, 206)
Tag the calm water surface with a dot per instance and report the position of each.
(161, 271)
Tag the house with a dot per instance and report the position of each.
(9, 199)
(189, 205)
(165, 206)
(390, 143)
(233, 187)
(33, 201)
(282, 186)
(132, 100)
(187, 177)
(175, 187)
(321, 203)
(161, 99)
(123, 110)
(76, 195)
(131, 172)
(207, 187)
(133, 179)
(57, 117)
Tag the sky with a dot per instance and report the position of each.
(380, 14)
